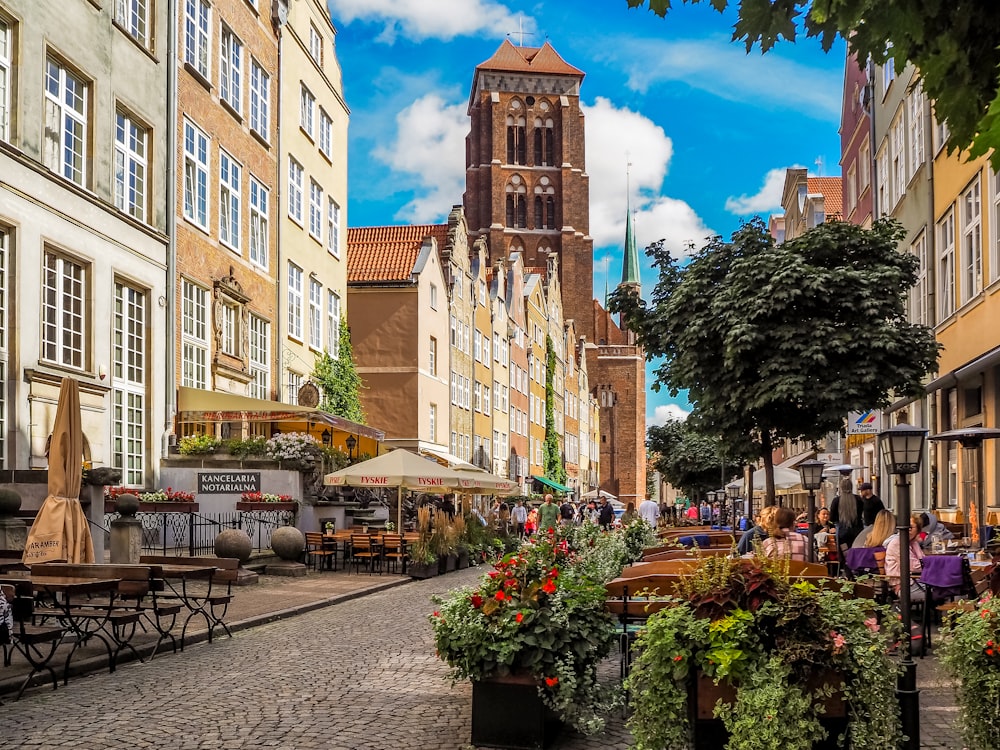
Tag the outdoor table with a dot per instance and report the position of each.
(196, 604)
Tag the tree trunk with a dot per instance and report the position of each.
(767, 449)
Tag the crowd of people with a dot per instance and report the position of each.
(522, 519)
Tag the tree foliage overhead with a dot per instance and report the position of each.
(781, 341)
(955, 45)
(338, 379)
(689, 460)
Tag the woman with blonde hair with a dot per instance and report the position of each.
(883, 528)
(783, 540)
(758, 531)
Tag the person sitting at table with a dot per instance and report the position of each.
(933, 531)
(757, 532)
(892, 559)
(783, 540)
(876, 534)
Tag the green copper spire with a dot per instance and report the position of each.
(630, 265)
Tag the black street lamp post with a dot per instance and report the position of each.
(350, 442)
(733, 490)
(902, 451)
(811, 476)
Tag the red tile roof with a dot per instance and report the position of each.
(833, 199)
(542, 59)
(388, 253)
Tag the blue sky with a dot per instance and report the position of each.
(708, 129)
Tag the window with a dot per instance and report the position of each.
(995, 245)
(229, 327)
(333, 324)
(453, 336)
(946, 266)
(882, 175)
(432, 422)
(133, 16)
(315, 314)
(260, 344)
(315, 46)
(851, 186)
(517, 204)
(454, 388)
(295, 188)
(315, 210)
(333, 228)
(864, 167)
(130, 166)
(325, 134)
(496, 346)
(479, 346)
(916, 115)
(294, 384)
(195, 175)
(487, 400)
(972, 247)
(194, 335)
(477, 396)
(231, 70)
(197, 15)
(229, 201)
(432, 360)
(307, 109)
(294, 301)
(128, 391)
(5, 81)
(63, 311)
(260, 99)
(897, 134)
(434, 297)
(888, 74)
(65, 122)
(259, 240)
(516, 146)
(4, 247)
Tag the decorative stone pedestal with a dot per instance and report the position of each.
(288, 543)
(126, 532)
(13, 532)
(236, 543)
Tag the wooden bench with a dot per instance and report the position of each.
(212, 604)
(686, 554)
(36, 643)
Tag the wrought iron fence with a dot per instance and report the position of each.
(194, 533)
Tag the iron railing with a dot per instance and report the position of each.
(177, 533)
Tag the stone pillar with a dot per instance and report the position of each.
(126, 532)
(13, 532)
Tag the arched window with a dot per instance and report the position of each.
(537, 133)
(550, 144)
(516, 146)
(539, 213)
(516, 203)
(550, 212)
(545, 204)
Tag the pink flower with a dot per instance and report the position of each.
(678, 657)
(838, 640)
(872, 624)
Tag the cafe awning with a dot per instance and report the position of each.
(554, 485)
(196, 405)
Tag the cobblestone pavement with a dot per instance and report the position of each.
(360, 675)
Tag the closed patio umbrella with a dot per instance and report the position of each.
(60, 530)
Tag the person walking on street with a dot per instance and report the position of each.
(606, 515)
(871, 503)
(519, 517)
(846, 513)
(567, 513)
(649, 511)
(548, 516)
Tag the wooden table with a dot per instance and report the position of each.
(196, 604)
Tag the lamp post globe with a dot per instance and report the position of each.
(811, 478)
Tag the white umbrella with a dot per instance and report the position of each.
(841, 468)
(784, 479)
(597, 494)
(473, 478)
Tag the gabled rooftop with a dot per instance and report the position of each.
(542, 59)
(388, 253)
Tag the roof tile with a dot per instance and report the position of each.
(542, 59)
(833, 199)
(388, 253)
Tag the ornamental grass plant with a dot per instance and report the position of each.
(971, 654)
(783, 646)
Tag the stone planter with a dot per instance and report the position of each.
(508, 712)
(422, 570)
(168, 507)
(711, 734)
(463, 559)
(252, 507)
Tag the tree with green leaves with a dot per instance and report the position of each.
(689, 460)
(954, 45)
(777, 341)
(338, 379)
(555, 468)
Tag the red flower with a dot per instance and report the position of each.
(554, 572)
(437, 614)
(477, 601)
(549, 587)
(551, 681)
(678, 657)
(989, 652)
(500, 596)
(493, 574)
(989, 643)
(519, 616)
(509, 583)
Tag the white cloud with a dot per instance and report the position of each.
(765, 200)
(615, 137)
(432, 19)
(724, 69)
(667, 413)
(430, 148)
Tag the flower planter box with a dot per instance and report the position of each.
(422, 570)
(168, 507)
(507, 712)
(250, 507)
(710, 733)
(447, 564)
(463, 559)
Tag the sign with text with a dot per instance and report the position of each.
(228, 482)
(864, 422)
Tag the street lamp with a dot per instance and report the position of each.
(327, 437)
(350, 443)
(733, 490)
(811, 477)
(902, 450)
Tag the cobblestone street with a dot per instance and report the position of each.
(360, 675)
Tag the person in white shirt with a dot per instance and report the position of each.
(519, 517)
(649, 511)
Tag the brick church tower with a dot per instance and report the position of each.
(526, 187)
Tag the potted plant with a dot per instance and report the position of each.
(971, 654)
(265, 501)
(746, 659)
(459, 531)
(198, 445)
(530, 637)
(155, 501)
(443, 543)
(422, 562)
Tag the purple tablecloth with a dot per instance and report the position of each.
(697, 540)
(944, 574)
(862, 559)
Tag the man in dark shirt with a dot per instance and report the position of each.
(871, 503)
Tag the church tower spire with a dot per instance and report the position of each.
(630, 263)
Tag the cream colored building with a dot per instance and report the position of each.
(501, 369)
(312, 263)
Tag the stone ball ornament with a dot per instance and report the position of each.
(288, 542)
(233, 543)
(127, 505)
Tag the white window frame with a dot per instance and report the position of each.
(197, 36)
(315, 46)
(946, 265)
(133, 17)
(921, 292)
(897, 137)
(260, 249)
(131, 166)
(432, 422)
(972, 241)
(65, 129)
(333, 228)
(296, 186)
(864, 167)
(294, 302)
(196, 187)
(229, 327)
(260, 100)
(259, 356)
(230, 191)
(194, 335)
(316, 210)
(916, 121)
(994, 259)
(6, 55)
(333, 324)
(852, 188)
(434, 297)
(128, 384)
(432, 356)
(64, 311)
(325, 134)
(882, 176)
(315, 314)
(294, 381)
(231, 69)
(307, 111)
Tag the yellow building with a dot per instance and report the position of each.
(537, 321)
(482, 354)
